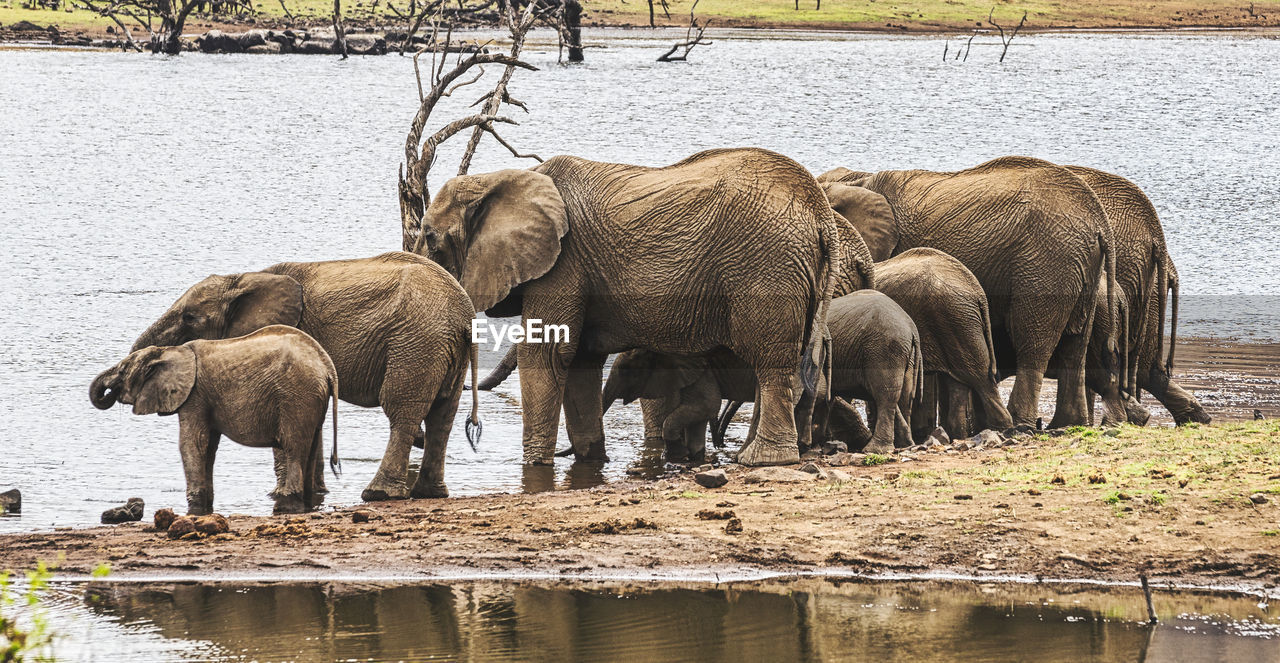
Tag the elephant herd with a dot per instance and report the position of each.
(733, 274)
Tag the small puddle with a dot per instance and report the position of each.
(805, 619)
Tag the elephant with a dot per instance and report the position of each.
(397, 326)
(681, 395)
(728, 248)
(1148, 285)
(947, 304)
(876, 357)
(268, 388)
(1040, 259)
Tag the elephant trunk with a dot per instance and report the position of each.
(612, 391)
(103, 391)
(165, 331)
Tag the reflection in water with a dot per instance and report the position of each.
(798, 620)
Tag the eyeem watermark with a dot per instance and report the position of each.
(531, 331)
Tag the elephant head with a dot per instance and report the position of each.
(869, 212)
(842, 175)
(494, 232)
(225, 306)
(154, 380)
(646, 374)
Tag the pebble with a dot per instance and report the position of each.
(1258, 498)
(987, 437)
(811, 468)
(939, 436)
(130, 512)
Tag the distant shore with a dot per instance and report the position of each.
(78, 26)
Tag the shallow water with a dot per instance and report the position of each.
(124, 179)
(802, 620)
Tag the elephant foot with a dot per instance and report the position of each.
(429, 491)
(762, 452)
(1136, 413)
(540, 454)
(321, 490)
(286, 504)
(595, 453)
(1068, 421)
(419, 439)
(381, 491)
(881, 448)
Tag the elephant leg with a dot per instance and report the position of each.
(298, 457)
(684, 430)
(277, 466)
(989, 411)
(655, 411)
(314, 467)
(1072, 406)
(1100, 382)
(194, 441)
(390, 482)
(775, 442)
(317, 472)
(1135, 412)
(924, 417)
(543, 372)
(901, 430)
(438, 424)
(847, 425)
(583, 407)
(956, 395)
(1178, 401)
(883, 431)
(695, 441)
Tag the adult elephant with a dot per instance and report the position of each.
(1148, 284)
(732, 248)
(397, 327)
(1037, 239)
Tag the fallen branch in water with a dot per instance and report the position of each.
(690, 39)
(1003, 40)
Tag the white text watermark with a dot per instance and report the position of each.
(529, 331)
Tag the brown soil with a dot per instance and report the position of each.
(1080, 504)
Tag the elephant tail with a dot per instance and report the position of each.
(816, 345)
(335, 463)
(474, 428)
(1106, 241)
(500, 372)
(916, 371)
(1173, 318)
(993, 371)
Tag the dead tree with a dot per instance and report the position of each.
(420, 155)
(339, 34)
(172, 15)
(665, 10)
(1003, 40)
(692, 37)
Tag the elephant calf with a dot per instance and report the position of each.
(876, 357)
(949, 308)
(267, 389)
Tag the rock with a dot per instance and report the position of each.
(939, 436)
(214, 523)
(712, 514)
(811, 454)
(1111, 432)
(181, 526)
(778, 475)
(364, 516)
(986, 438)
(130, 512)
(962, 446)
(734, 526)
(1258, 498)
(810, 468)
(962, 496)
(164, 518)
(11, 501)
(837, 476)
(711, 478)
(704, 468)
(840, 459)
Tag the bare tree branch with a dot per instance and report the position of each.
(1003, 40)
(690, 39)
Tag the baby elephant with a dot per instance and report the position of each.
(266, 389)
(875, 357)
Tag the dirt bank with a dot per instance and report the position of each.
(1083, 503)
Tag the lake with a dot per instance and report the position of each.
(774, 620)
(124, 179)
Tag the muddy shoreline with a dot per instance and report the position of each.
(1074, 506)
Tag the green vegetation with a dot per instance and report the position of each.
(24, 637)
(874, 459)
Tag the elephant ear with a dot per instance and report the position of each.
(843, 175)
(167, 381)
(673, 373)
(259, 299)
(870, 214)
(513, 223)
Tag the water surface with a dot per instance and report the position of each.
(124, 179)
(800, 620)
